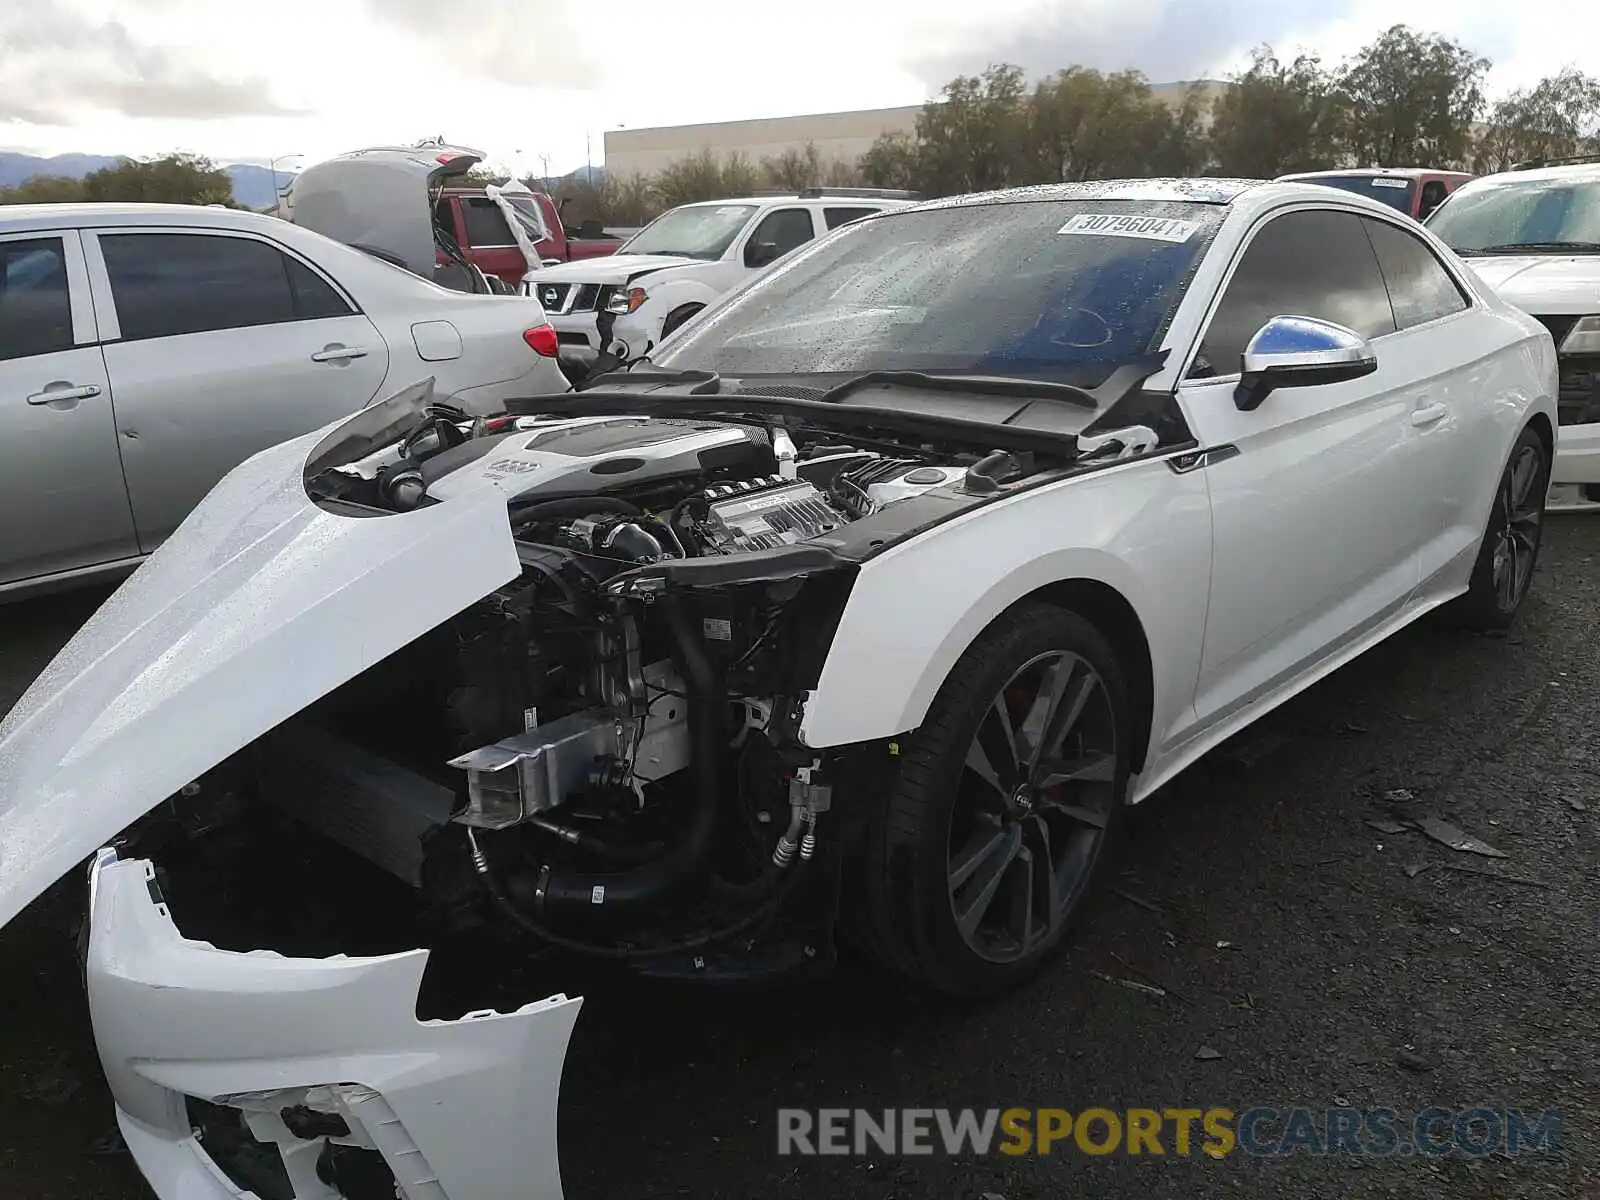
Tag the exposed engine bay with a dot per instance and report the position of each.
(602, 755)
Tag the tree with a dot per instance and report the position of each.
(893, 161)
(794, 168)
(1276, 118)
(974, 138)
(1557, 117)
(1412, 100)
(172, 179)
(1087, 125)
(1185, 146)
(43, 189)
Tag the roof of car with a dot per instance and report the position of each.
(57, 216)
(1399, 172)
(823, 196)
(1199, 191)
(1581, 171)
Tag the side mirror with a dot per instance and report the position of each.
(1300, 352)
(761, 253)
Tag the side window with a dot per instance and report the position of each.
(443, 217)
(1433, 194)
(785, 228)
(1420, 289)
(167, 284)
(35, 299)
(486, 224)
(836, 217)
(1316, 263)
(313, 297)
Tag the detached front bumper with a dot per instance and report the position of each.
(459, 1110)
(1577, 454)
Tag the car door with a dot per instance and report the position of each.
(784, 228)
(219, 344)
(490, 242)
(61, 485)
(1310, 499)
(1435, 359)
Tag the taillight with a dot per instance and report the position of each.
(543, 339)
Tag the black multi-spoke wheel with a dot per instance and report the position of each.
(1032, 807)
(1005, 801)
(1510, 548)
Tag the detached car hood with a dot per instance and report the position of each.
(611, 269)
(1544, 285)
(260, 603)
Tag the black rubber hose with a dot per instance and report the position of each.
(604, 899)
(525, 513)
(514, 912)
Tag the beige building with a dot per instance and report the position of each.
(838, 137)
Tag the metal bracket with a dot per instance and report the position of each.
(1130, 442)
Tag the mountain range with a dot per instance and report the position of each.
(252, 184)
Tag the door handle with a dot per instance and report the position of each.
(338, 353)
(1427, 414)
(64, 391)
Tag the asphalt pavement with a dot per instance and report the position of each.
(1294, 940)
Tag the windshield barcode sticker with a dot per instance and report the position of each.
(1160, 229)
(1394, 183)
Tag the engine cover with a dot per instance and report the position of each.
(594, 455)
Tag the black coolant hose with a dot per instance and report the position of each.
(566, 897)
(519, 917)
(524, 513)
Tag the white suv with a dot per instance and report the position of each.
(624, 304)
(1533, 234)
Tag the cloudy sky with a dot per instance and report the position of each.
(529, 80)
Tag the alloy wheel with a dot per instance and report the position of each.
(1035, 798)
(1520, 511)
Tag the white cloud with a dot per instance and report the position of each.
(526, 79)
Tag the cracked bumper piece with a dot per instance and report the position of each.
(459, 1110)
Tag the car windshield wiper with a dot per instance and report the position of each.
(1536, 248)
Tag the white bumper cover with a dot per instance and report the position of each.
(460, 1110)
(1577, 454)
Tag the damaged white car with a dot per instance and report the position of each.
(863, 614)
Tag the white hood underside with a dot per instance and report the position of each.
(259, 604)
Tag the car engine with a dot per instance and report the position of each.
(602, 755)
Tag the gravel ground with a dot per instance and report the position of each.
(1350, 978)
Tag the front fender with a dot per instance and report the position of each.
(665, 298)
(1141, 529)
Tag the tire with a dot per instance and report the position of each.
(1510, 548)
(677, 317)
(957, 818)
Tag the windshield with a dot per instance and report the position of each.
(1062, 290)
(696, 231)
(1511, 213)
(1396, 193)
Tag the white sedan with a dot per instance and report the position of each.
(145, 350)
(864, 614)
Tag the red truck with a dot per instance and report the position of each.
(478, 220)
(1415, 191)
(408, 204)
